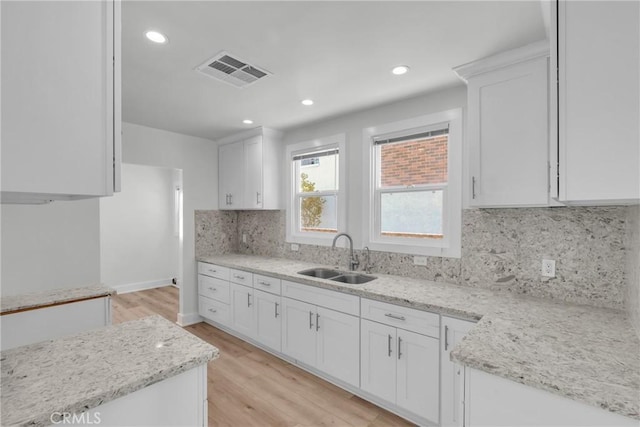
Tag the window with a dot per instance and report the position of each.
(415, 185)
(316, 207)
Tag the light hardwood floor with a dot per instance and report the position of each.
(250, 387)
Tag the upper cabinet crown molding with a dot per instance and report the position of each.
(61, 124)
(531, 51)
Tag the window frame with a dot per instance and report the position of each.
(293, 234)
(450, 244)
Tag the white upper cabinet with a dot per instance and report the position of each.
(597, 48)
(60, 100)
(249, 170)
(508, 128)
(230, 176)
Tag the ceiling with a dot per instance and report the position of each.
(339, 54)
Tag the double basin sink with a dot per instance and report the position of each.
(337, 276)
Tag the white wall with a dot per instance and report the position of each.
(198, 159)
(50, 246)
(353, 124)
(139, 241)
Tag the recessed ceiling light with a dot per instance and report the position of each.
(247, 122)
(156, 37)
(400, 69)
(307, 102)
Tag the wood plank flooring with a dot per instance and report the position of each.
(250, 387)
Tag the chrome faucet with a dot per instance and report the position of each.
(353, 260)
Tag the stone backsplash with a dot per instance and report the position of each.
(633, 266)
(501, 249)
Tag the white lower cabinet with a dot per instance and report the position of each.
(268, 329)
(338, 345)
(242, 312)
(298, 331)
(494, 401)
(451, 374)
(321, 338)
(401, 367)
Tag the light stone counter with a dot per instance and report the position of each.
(13, 303)
(584, 353)
(80, 372)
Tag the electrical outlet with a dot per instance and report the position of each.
(295, 247)
(420, 260)
(548, 268)
(244, 237)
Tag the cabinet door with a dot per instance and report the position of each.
(253, 194)
(378, 360)
(59, 120)
(299, 331)
(418, 386)
(242, 311)
(451, 374)
(230, 175)
(268, 319)
(338, 345)
(599, 106)
(508, 136)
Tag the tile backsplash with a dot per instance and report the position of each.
(501, 249)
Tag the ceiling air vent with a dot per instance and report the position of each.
(232, 70)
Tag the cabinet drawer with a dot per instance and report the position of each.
(338, 301)
(241, 277)
(267, 284)
(214, 310)
(211, 287)
(213, 270)
(421, 322)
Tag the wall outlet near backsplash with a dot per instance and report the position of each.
(548, 268)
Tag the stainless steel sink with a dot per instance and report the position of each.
(321, 273)
(353, 278)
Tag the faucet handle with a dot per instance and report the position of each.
(354, 262)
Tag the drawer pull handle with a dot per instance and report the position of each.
(389, 353)
(399, 344)
(317, 322)
(213, 311)
(237, 276)
(395, 316)
(311, 320)
(263, 283)
(212, 289)
(212, 270)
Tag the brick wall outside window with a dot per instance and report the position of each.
(415, 162)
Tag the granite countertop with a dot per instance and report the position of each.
(79, 372)
(585, 353)
(14, 303)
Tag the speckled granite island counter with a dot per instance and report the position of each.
(80, 372)
(588, 354)
(15, 303)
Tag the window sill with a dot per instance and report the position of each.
(415, 249)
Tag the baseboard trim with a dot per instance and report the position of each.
(141, 286)
(188, 319)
